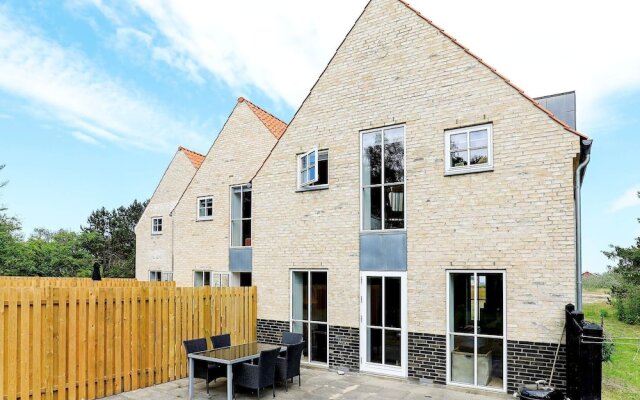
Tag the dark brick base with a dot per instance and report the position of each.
(528, 362)
(344, 348)
(270, 331)
(428, 357)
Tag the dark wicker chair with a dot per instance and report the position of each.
(259, 376)
(221, 341)
(291, 338)
(289, 367)
(203, 369)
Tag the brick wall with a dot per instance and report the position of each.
(270, 331)
(344, 348)
(428, 357)
(529, 362)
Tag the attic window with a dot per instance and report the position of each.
(205, 208)
(156, 225)
(313, 169)
(469, 150)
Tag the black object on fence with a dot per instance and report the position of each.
(584, 357)
(96, 272)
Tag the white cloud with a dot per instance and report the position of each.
(627, 199)
(66, 86)
(84, 137)
(545, 47)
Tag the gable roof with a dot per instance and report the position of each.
(273, 124)
(507, 81)
(195, 158)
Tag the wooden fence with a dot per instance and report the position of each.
(90, 342)
(19, 281)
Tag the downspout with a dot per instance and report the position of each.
(585, 156)
(173, 229)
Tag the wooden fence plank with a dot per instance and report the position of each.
(3, 343)
(12, 350)
(126, 339)
(117, 351)
(24, 342)
(61, 341)
(81, 359)
(172, 333)
(72, 343)
(100, 348)
(49, 363)
(92, 344)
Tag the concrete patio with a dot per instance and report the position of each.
(319, 384)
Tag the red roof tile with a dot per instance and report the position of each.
(535, 103)
(195, 158)
(275, 125)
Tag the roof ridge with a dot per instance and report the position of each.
(504, 78)
(196, 158)
(274, 124)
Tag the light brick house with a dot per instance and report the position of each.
(417, 218)
(154, 234)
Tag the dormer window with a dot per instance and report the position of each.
(156, 225)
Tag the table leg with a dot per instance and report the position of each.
(229, 382)
(191, 368)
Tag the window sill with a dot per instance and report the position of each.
(156, 234)
(464, 171)
(239, 247)
(312, 188)
(383, 231)
(203, 219)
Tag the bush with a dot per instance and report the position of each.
(627, 303)
(607, 348)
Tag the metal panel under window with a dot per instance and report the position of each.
(240, 259)
(383, 251)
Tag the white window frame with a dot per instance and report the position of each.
(204, 218)
(154, 226)
(164, 276)
(231, 219)
(307, 182)
(382, 183)
(366, 366)
(212, 274)
(155, 273)
(466, 169)
(309, 321)
(475, 333)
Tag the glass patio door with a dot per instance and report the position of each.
(383, 330)
(476, 348)
(309, 313)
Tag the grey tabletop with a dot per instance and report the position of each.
(234, 354)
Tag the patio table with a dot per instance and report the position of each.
(229, 356)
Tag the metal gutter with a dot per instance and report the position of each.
(585, 156)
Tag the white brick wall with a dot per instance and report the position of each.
(395, 68)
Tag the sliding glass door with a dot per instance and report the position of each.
(383, 323)
(476, 345)
(309, 313)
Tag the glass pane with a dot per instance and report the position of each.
(319, 343)
(236, 203)
(479, 156)
(490, 362)
(224, 280)
(392, 346)
(299, 288)
(394, 207)
(459, 159)
(207, 278)
(312, 174)
(236, 233)
(202, 212)
(215, 280)
(246, 204)
(303, 162)
(462, 359)
(458, 142)
(302, 327)
(246, 232)
(197, 279)
(371, 208)
(319, 296)
(490, 304)
(392, 302)
(312, 159)
(374, 345)
(478, 139)
(462, 303)
(372, 158)
(303, 177)
(394, 155)
(374, 300)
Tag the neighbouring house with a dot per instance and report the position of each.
(154, 233)
(416, 218)
(588, 274)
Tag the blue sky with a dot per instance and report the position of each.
(95, 97)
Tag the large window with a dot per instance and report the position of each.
(476, 329)
(156, 225)
(241, 216)
(383, 178)
(469, 149)
(210, 278)
(313, 169)
(205, 208)
(309, 312)
(158, 276)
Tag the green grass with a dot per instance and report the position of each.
(621, 376)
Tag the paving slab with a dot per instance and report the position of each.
(319, 384)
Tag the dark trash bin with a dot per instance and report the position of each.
(540, 394)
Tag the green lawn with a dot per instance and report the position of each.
(621, 376)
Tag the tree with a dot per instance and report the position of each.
(627, 261)
(110, 238)
(11, 255)
(59, 254)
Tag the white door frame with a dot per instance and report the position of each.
(381, 368)
(475, 335)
